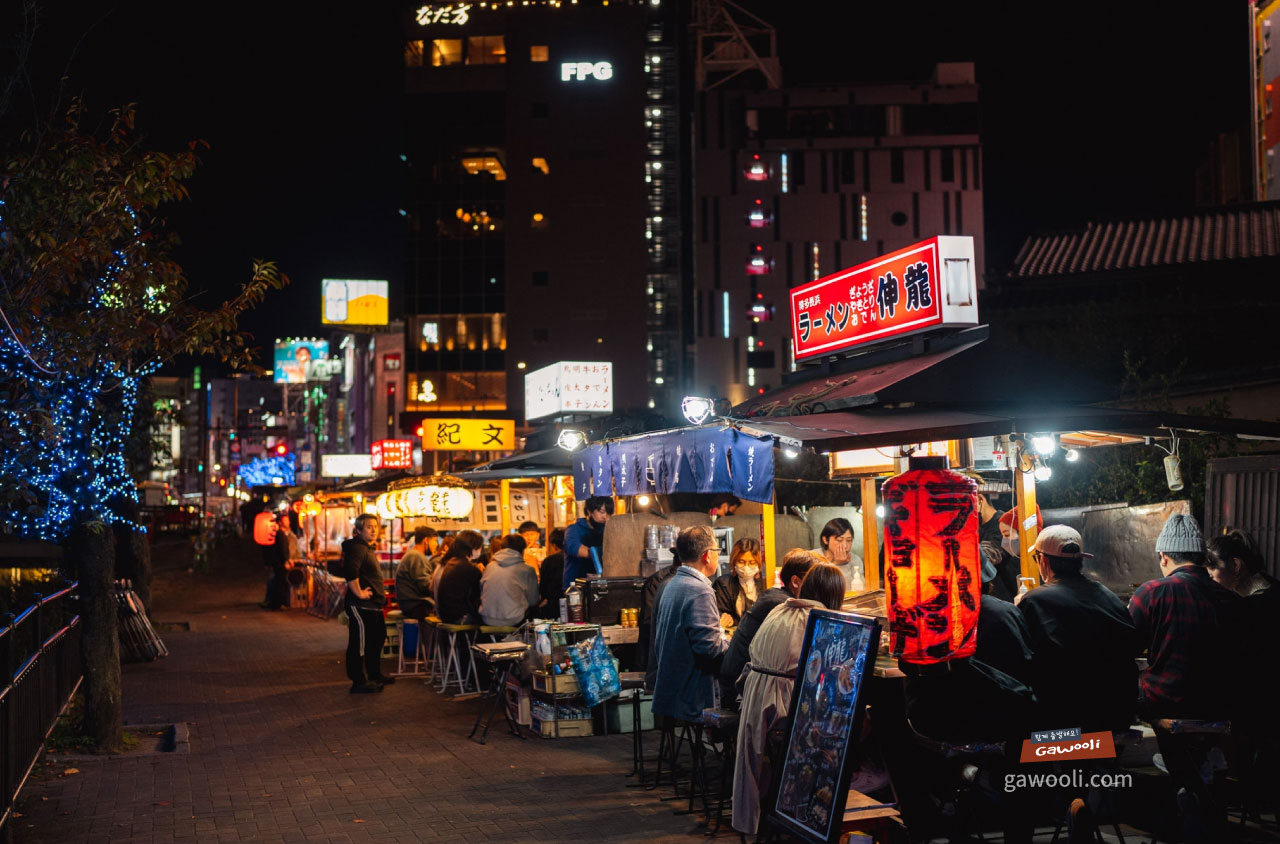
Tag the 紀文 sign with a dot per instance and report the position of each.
(923, 286)
(468, 434)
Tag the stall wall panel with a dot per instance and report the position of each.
(1244, 493)
(624, 539)
(1122, 539)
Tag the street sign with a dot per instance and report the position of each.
(468, 435)
(928, 285)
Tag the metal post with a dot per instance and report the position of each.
(870, 535)
(769, 540)
(1025, 487)
(504, 508)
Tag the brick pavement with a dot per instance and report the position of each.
(280, 752)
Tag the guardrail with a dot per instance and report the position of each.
(39, 673)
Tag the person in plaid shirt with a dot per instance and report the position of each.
(1184, 621)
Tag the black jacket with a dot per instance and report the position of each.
(735, 659)
(458, 595)
(359, 562)
(727, 588)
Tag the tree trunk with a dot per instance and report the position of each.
(92, 556)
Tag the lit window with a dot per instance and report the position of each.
(486, 164)
(539, 220)
(541, 164)
(785, 181)
(538, 53)
(486, 49)
(757, 218)
(431, 333)
(756, 170)
(862, 216)
(817, 273)
(724, 313)
(446, 51)
(413, 53)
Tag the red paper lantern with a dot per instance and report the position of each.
(264, 528)
(932, 565)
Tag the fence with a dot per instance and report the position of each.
(1243, 492)
(40, 671)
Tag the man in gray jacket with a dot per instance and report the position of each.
(509, 585)
(413, 576)
(688, 641)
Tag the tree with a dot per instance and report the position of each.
(91, 303)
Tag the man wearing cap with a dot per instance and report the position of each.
(1185, 622)
(413, 576)
(1082, 668)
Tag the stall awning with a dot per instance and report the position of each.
(546, 463)
(880, 427)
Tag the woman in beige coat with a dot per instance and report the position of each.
(771, 675)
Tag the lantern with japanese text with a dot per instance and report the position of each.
(932, 565)
(265, 527)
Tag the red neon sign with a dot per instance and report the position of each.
(890, 296)
(392, 454)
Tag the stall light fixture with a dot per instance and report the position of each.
(791, 453)
(642, 500)
(571, 440)
(1071, 455)
(1044, 445)
(697, 409)
(1043, 472)
(880, 511)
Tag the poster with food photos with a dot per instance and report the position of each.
(835, 661)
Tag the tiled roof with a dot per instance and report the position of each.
(1215, 234)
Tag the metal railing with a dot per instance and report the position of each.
(40, 671)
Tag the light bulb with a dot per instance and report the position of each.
(1043, 473)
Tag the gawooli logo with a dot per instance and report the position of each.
(1039, 748)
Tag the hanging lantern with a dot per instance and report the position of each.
(382, 504)
(265, 527)
(932, 565)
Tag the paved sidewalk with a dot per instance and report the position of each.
(280, 752)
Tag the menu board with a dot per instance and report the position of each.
(836, 660)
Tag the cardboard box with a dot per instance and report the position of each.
(556, 684)
(518, 702)
(565, 728)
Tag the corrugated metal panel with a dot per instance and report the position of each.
(1244, 493)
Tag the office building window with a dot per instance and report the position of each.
(413, 53)
(541, 278)
(486, 49)
(538, 53)
(948, 165)
(446, 51)
(541, 335)
(538, 220)
(897, 167)
(476, 164)
(538, 110)
(540, 164)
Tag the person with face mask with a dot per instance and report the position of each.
(738, 590)
(1010, 566)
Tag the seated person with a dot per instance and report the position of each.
(1002, 632)
(738, 590)
(533, 550)
(551, 576)
(795, 565)
(413, 576)
(458, 589)
(766, 696)
(509, 585)
(1083, 673)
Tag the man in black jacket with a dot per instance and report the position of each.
(365, 595)
(795, 565)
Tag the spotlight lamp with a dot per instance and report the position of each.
(1044, 444)
(697, 409)
(571, 440)
(1071, 455)
(1043, 473)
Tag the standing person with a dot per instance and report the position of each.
(533, 550)
(739, 589)
(649, 595)
(688, 641)
(582, 536)
(275, 556)
(795, 565)
(413, 576)
(458, 590)
(1077, 628)
(551, 576)
(508, 586)
(365, 595)
(836, 540)
(724, 504)
(771, 674)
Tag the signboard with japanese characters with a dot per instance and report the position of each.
(922, 287)
(468, 435)
(391, 454)
(570, 386)
(346, 465)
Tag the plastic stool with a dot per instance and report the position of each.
(412, 639)
(432, 623)
(451, 659)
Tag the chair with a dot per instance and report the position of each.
(433, 666)
(451, 656)
(721, 726)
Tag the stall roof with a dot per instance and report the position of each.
(378, 484)
(883, 426)
(546, 463)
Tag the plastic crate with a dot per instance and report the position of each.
(573, 728)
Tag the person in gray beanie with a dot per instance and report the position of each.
(1188, 625)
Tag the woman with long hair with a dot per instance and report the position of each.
(457, 580)
(775, 658)
(738, 590)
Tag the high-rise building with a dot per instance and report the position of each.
(793, 184)
(543, 169)
(1265, 98)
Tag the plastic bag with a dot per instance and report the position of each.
(597, 675)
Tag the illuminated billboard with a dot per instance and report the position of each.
(353, 302)
(391, 454)
(298, 360)
(268, 471)
(570, 386)
(346, 465)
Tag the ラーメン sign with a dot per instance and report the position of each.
(468, 434)
(928, 285)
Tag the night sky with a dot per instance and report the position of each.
(1090, 111)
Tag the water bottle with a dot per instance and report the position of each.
(574, 599)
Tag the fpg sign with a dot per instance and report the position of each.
(582, 71)
(927, 285)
